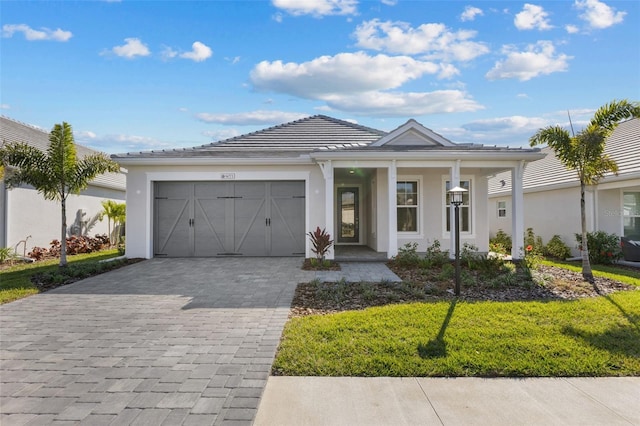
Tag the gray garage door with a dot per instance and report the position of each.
(205, 219)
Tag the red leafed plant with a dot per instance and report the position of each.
(321, 242)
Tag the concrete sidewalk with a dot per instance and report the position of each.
(315, 401)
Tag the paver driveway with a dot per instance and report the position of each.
(164, 341)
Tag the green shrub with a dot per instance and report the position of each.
(604, 248)
(469, 255)
(408, 255)
(7, 253)
(435, 256)
(501, 243)
(532, 243)
(557, 249)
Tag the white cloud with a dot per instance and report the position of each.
(435, 41)
(539, 59)
(470, 13)
(199, 52)
(168, 53)
(221, 134)
(233, 60)
(119, 143)
(516, 123)
(389, 2)
(342, 73)
(571, 29)
(36, 35)
(532, 17)
(5, 106)
(401, 104)
(259, 117)
(277, 17)
(599, 15)
(317, 8)
(132, 48)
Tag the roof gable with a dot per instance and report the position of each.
(414, 134)
(622, 146)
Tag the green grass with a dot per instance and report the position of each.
(588, 337)
(605, 271)
(15, 282)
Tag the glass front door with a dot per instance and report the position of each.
(348, 215)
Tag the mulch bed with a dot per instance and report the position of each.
(418, 286)
(333, 266)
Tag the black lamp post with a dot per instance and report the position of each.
(456, 196)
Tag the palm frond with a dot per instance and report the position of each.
(609, 115)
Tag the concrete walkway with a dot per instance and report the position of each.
(161, 342)
(319, 401)
(355, 272)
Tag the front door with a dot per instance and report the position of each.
(348, 215)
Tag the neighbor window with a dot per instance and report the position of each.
(631, 213)
(465, 207)
(407, 205)
(502, 209)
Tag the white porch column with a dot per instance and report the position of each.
(454, 181)
(517, 212)
(327, 172)
(392, 178)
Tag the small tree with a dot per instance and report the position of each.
(55, 173)
(584, 153)
(116, 213)
(321, 242)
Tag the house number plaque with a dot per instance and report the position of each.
(227, 176)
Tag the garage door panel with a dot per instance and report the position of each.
(172, 236)
(249, 227)
(209, 227)
(242, 218)
(287, 226)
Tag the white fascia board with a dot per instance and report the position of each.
(212, 161)
(482, 156)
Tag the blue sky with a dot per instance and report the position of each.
(139, 75)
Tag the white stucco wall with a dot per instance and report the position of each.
(558, 212)
(28, 213)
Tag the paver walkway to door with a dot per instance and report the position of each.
(164, 341)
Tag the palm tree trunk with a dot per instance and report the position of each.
(587, 274)
(63, 238)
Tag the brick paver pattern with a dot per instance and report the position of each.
(164, 341)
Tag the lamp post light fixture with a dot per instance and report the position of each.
(456, 197)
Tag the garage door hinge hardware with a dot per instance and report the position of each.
(298, 196)
(162, 198)
(228, 197)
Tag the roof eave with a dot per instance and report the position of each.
(210, 161)
(429, 155)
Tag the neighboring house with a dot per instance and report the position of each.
(260, 193)
(552, 194)
(26, 215)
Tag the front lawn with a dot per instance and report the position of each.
(587, 337)
(16, 283)
(548, 324)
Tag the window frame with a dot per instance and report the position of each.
(623, 216)
(501, 209)
(419, 226)
(471, 206)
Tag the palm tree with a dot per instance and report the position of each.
(55, 173)
(584, 153)
(115, 213)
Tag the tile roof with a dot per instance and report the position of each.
(285, 140)
(15, 131)
(623, 146)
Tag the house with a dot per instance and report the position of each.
(260, 193)
(552, 194)
(28, 220)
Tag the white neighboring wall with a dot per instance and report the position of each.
(28, 213)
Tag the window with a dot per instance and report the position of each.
(465, 207)
(502, 209)
(631, 213)
(407, 205)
